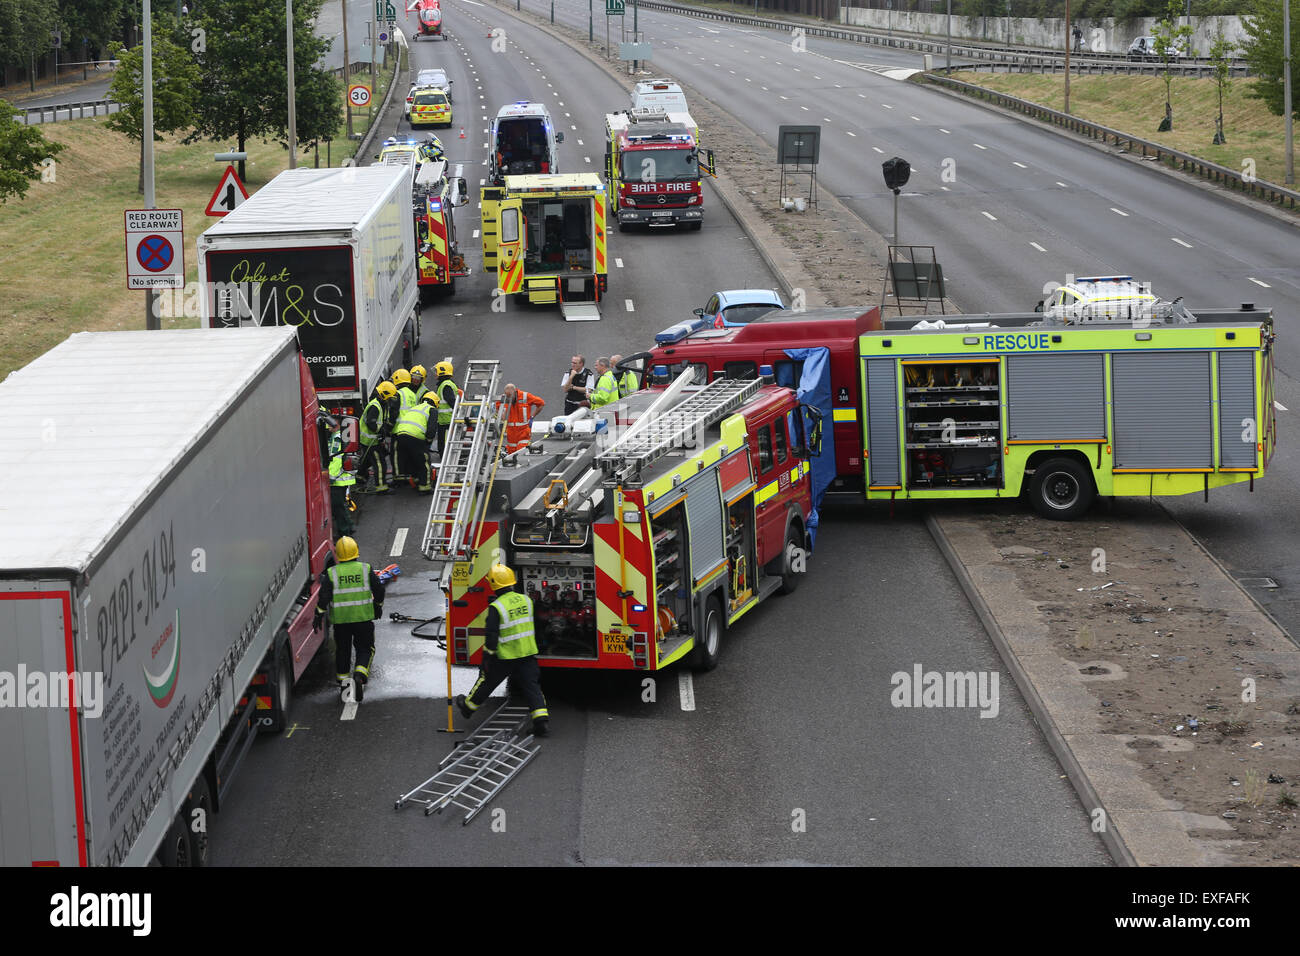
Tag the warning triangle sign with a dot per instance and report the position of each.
(229, 194)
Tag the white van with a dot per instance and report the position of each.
(523, 141)
(663, 95)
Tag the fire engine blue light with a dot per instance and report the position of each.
(661, 371)
(764, 371)
(638, 607)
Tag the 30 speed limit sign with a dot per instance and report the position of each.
(359, 95)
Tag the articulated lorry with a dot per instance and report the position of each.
(157, 583)
(331, 253)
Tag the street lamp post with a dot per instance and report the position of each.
(293, 112)
(948, 50)
(151, 320)
(347, 100)
(1286, 90)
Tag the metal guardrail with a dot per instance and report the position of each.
(1118, 62)
(1036, 63)
(50, 114)
(1232, 178)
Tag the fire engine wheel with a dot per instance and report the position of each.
(1061, 489)
(789, 577)
(705, 655)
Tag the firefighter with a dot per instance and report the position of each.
(376, 424)
(405, 391)
(354, 595)
(340, 481)
(418, 384)
(446, 393)
(411, 432)
(509, 651)
(627, 381)
(520, 407)
(606, 389)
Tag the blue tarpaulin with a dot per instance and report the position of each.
(814, 389)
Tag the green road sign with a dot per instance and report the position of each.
(614, 8)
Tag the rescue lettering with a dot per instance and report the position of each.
(1023, 340)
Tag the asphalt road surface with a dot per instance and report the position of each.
(793, 751)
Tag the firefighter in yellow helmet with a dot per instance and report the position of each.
(405, 390)
(419, 383)
(351, 591)
(447, 393)
(376, 425)
(509, 651)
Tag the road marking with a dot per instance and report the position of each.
(586, 159)
(1185, 245)
(804, 108)
(482, 181)
(618, 263)
(1021, 165)
(580, 143)
(1279, 406)
(917, 118)
(399, 540)
(850, 132)
(978, 146)
(826, 119)
(783, 97)
(475, 236)
(1119, 212)
(886, 106)
(1061, 184)
(862, 96)
(571, 125)
(686, 687)
(945, 189)
(989, 215)
(942, 130)
(877, 149)
(628, 304)
(1037, 246)
(1257, 282)
(765, 89)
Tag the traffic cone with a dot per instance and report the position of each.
(462, 132)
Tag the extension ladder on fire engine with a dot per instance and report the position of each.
(467, 468)
(478, 768)
(626, 459)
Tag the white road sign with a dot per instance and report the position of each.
(155, 249)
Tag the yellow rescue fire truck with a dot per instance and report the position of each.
(640, 533)
(544, 236)
(997, 406)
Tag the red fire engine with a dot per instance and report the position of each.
(654, 165)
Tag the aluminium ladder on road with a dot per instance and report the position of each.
(627, 459)
(466, 468)
(478, 768)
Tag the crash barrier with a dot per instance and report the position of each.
(51, 114)
(1231, 178)
(1100, 62)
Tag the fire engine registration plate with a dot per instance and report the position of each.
(662, 212)
(615, 643)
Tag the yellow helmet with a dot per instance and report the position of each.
(444, 370)
(430, 397)
(346, 549)
(401, 377)
(499, 577)
(417, 371)
(387, 390)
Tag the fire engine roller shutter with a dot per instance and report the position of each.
(1237, 407)
(704, 521)
(882, 421)
(660, 505)
(1167, 426)
(1056, 397)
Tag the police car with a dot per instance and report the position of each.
(1101, 298)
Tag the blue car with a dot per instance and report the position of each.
(736, 307)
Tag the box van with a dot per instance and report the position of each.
(662, 94)
(523, 141)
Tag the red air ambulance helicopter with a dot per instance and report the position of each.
(430, 15)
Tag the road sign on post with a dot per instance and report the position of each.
(614, 8)
(155, 249)
(230, 192)
(359, 95)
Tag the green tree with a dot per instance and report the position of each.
(1171, 41)
(25, 27)
(1221, 56)
(94, 24)
(1263, 51)
(245, 83)
(176, 82)
(24, 151)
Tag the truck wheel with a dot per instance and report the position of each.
(695, 226)
(177, 850)
(1061, 489)
(282, 678)
(200, 839)
(705, 655)
(622, 226)
(785, 565)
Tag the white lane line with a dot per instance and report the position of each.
(850, 132)
(586, 159)
(765, 89)
(862, 96)
(1021, 165)
(989, 215)
(1257, 282)
(978, 146)
(475, 236)
(826, 119)
(917, 118)
(1061, 184)
(571, 125)
(1185, 245)
(618, 263)
(686, 687)
(1119, 212)
(399, 542)
(482, 181)
(1279, 406)
(783, 97)
(886, 106)
(947, 132)
(1037, 246)
(945, 189)
(628, 305)
(804, 108)
(878, 149)
(580, 143)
